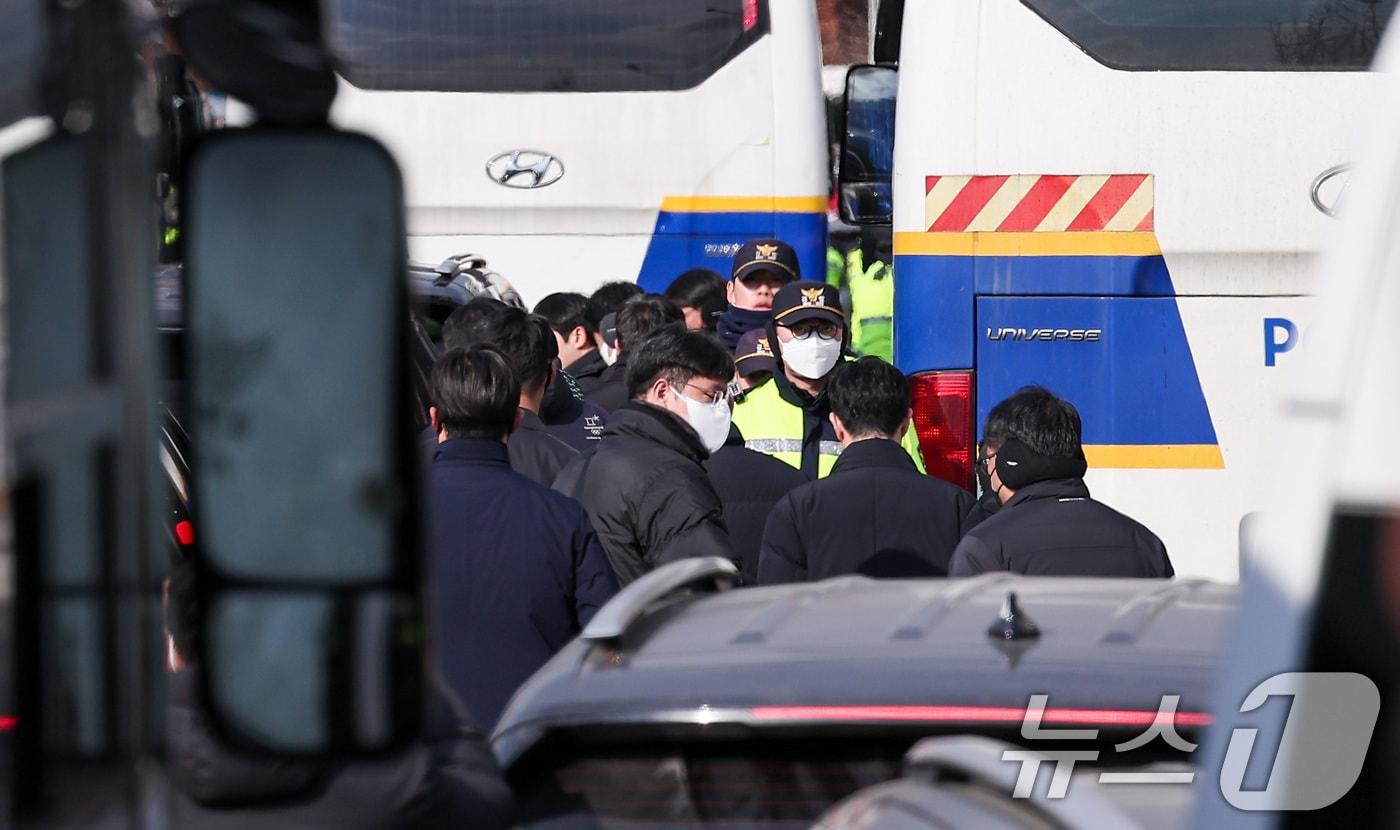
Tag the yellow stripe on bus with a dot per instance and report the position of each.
(744, 204)
(992, 243)
(1154, 456)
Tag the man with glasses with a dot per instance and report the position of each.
(1048, 525)
(787, 416)
(645, 488)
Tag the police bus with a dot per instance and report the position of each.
(1121, 201)
(574, 143)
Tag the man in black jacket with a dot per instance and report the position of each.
(875, 514)
(749, 483)
(515, 567)
(575, 332)
(528, 346)
(1048, 524)
(636, 320)
(562, 409)
(645, 488)
(448, 778)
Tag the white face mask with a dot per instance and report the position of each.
(811, 358)
(709, 420)
(608, 353)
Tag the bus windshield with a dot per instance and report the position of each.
(539, 45)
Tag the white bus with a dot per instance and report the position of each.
(576, 143)
(1121, 200)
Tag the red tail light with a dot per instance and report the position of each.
(184, 532)
(943, 419)
(750, 14)
(7, 723)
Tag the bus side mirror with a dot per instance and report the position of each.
(303, 492)
(867, 146)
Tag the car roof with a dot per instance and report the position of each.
(847, 646)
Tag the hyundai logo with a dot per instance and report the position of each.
(525, 169)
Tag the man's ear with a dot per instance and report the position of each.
(729, 292)
(579, 338)
(841, 434)
(433, 419)
(905, 424)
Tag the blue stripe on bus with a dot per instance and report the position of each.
(1136, 385)
(685, 240)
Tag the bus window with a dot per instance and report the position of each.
(1222, 34)
(535, 46)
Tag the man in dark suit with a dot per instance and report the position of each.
(515, 567)
(875, 514)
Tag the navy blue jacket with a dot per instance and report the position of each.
(515, 568)
(875, 514)
(570, 418)
(1053, 528)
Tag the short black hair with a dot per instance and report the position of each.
(526, 343)
(475, 392)
(640, 316)
(608, 299)
(1038, 418)
(464, 326)
(566, 311)
(678, 355)
(870, 396)
(700, 289)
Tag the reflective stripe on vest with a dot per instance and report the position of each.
(773, 426)
(773, 446)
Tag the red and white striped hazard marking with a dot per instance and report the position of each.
(1022, 204)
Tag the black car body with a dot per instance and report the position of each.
(765, 706)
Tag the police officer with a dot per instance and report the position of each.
(787, 417)
(754, 360)
(760, 269)
(1048, 524)
(876, 514)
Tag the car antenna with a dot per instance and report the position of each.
(1012, 623)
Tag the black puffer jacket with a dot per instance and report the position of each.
(647, 494)
(1053, 528)
(447, 779)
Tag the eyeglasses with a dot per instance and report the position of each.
(805, 329)
(712, 398)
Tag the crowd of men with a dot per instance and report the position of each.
(575, 449)
(572, 450)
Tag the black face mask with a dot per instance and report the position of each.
(1019, 465)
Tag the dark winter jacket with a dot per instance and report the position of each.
(569, 417)
(516, 572)
(611, 391)
(875, 514)
(1053, 528)
(586, 370)
(533, 450)
(647, 493)
(535, 453)
(749, 483)
(449, 778)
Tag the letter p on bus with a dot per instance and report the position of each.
(1273, 346)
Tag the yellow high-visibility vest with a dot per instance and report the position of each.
(773, 426)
